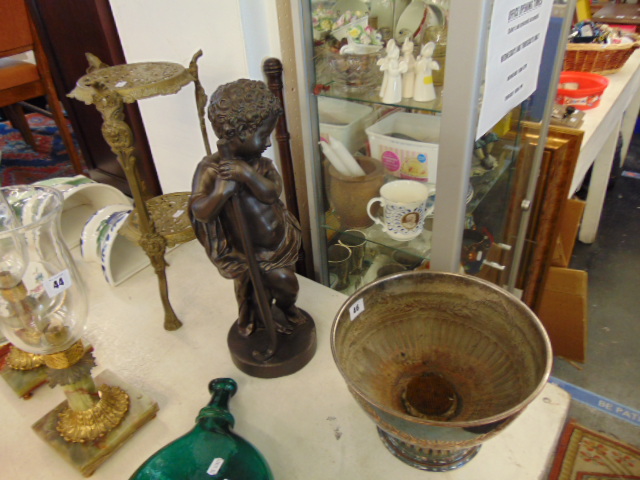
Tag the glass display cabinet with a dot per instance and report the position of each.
(400, 175)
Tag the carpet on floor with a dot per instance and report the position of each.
(584, 454)
(20, 164)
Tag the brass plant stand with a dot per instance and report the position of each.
(162, 221)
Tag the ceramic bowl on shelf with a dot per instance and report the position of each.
(355, 72)
(102, 243)
(82, 198)
(416, 18)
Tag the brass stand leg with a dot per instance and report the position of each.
(154, 246)
(120, 139)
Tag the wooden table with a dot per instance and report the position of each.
(616, 114)
(307, 425)
(618, 13)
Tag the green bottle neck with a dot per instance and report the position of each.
(216, 414)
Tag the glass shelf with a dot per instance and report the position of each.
(371, 97)
(483, 180)
(381, 254)
(424, 141)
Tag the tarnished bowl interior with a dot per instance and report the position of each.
(441, 349)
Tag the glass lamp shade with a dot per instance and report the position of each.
(12, 247)
(43, 301)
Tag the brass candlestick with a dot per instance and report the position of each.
(162, 221)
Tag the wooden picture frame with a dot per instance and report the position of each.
(552, 191)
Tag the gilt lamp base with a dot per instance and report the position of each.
(87, 457)
(22, 382)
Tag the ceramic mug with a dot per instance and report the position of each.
(404, 204)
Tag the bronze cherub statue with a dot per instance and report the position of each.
(249, 235)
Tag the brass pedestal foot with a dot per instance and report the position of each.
(21, 360)
(93, 423)
(86, 457)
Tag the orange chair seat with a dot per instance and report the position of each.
(16, 72)
(21, 81)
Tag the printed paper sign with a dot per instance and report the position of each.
(516, 39)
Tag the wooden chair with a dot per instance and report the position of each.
(21, 81)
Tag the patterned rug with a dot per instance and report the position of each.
(583, 454)
(20, 164)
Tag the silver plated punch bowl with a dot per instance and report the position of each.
(440, 362)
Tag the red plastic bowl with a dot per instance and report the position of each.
(581, 89)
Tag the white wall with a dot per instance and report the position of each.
(234, 35)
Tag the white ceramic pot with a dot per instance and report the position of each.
(102, 243)
(82, 198)
(90, 246)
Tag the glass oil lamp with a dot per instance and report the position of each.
(43, 311)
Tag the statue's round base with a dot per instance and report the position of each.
(294, 351)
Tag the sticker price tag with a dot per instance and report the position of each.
(356, 309)
(215, 466)
(58, 283)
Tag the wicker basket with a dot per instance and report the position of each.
(598, 58)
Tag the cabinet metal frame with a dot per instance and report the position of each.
(467, 39)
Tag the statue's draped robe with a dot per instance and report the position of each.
(230, 260)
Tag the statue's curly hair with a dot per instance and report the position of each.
(238, 108)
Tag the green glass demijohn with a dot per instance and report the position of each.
(210, 450)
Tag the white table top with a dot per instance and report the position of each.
(600, 121)
(307, 425)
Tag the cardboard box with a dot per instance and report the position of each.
(569, 226)
(563, 312)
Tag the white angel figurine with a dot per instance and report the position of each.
(408, 78)
(394, 70)
(390, 48)
(423, 90)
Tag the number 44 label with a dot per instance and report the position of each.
(58, 283)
